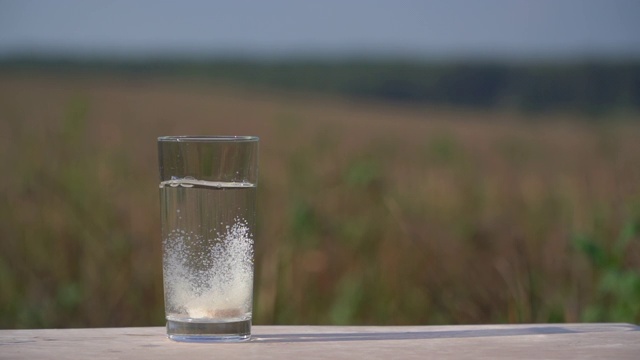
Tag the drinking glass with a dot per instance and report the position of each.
(207, 203)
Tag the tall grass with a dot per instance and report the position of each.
(386, 223)
(69, 257)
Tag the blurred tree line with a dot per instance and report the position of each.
(592, 87)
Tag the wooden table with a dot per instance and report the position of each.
(557, 341)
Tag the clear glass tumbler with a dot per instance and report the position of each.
(207, 202)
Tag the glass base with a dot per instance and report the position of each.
(209, 331)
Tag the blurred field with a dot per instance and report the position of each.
(369, 213)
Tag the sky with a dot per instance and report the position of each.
(282, 28)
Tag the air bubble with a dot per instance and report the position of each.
(187, 181)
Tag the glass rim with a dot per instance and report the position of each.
(208, 138)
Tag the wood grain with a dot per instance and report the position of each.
(549, 341)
